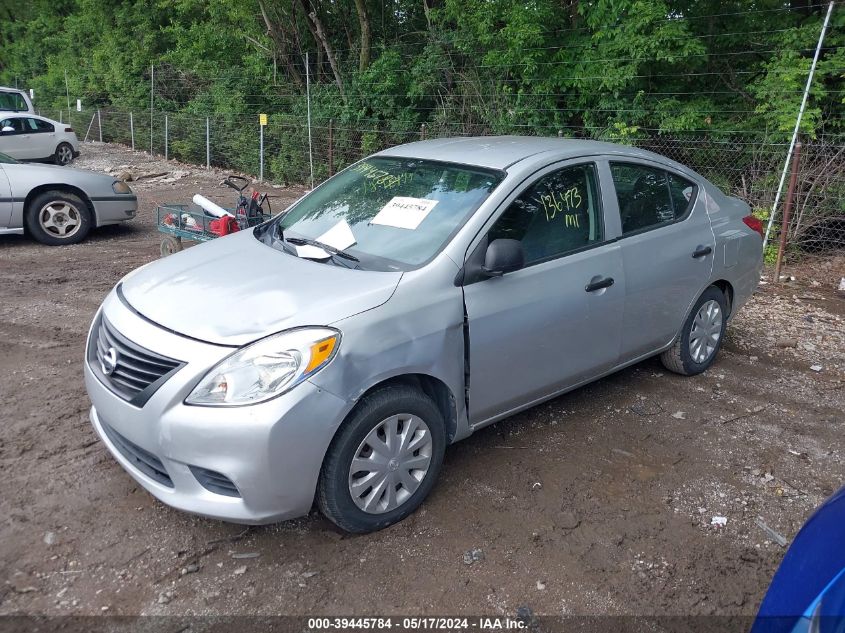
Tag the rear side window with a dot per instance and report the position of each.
(40, 126)
(558, 214)
(683, 194)
(649, 197)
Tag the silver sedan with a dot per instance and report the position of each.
(59, 205)
(332, 353)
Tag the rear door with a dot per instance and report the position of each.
(555, 322)
(44, 137)
(667, 249)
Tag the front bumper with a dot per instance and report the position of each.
(114, 209)
(272, 452)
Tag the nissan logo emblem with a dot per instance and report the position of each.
(109, 361)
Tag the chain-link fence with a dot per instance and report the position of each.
(745, 164)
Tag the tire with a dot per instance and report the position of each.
(64, 154)
(170, 245)
(393, 408)
(57, 218)
(708, 317)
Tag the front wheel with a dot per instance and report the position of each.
(57, 218)
(384, 460)
(701, 336)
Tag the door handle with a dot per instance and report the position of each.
(606, 282)
(701, 251)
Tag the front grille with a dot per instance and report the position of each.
(143, 460)
(127, 369)
(215, 482)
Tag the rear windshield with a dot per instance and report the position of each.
(13, 102)
(400, 211)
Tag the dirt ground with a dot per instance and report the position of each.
(599, 502)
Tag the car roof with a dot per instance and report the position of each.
(11, 89)
(23, 114)
(500, 152)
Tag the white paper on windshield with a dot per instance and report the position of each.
(404, 213)
(339, 236)
(310, 252)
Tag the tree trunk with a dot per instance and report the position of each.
(281, 42)
(364, 22)
(320, 34)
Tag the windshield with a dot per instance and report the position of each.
(13, 101)
(400, 211)
(8, 160)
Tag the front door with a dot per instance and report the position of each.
(5, 200)
(557, 321)
(667, 247)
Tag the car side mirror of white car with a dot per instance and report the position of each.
(503, 256)
(7, 129)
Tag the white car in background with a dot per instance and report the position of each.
(27, 136)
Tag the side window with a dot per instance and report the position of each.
(683, 194)
(558, 214)
(41, 126)
(650, 197)
(16, 124)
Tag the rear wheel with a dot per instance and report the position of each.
(57, 218)
(384, 460)
(701, 336)
(64, 154)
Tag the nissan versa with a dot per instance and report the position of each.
(332, 353)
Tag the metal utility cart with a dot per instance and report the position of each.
(190, 222)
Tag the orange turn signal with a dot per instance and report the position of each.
(321, 351)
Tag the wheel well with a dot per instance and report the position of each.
(36, 191)
(435, 389)
(727, 290)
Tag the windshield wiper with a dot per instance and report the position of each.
(302, 241)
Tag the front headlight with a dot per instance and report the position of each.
(267, 368)
(120, 187)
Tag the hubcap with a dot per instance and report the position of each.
(706, 331)
(60, 218)
(390, 464)
(65, 155)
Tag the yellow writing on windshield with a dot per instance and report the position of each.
(379, 178)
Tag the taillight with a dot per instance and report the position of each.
(755, 224)
(68, 129)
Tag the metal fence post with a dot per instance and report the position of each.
(331, 147)
(152, 98)
(260, 152)
(422, 132)
(132, 130)
(60, 117)
(166, 131)
(207, 144)
(308, 99)
(787, 209)
(100, 124)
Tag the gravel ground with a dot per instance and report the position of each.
(599, 502)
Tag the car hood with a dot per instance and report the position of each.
(235, 289)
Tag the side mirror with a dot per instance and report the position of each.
(7, 129)
(503, 256)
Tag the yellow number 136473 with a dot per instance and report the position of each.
(554, 203)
